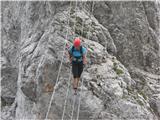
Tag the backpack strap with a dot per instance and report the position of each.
(80, 50)
(72, 49)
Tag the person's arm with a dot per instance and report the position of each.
(84, 56)
(84, 59)
(69, 55)
(70, 58)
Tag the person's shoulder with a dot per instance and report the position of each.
(84, 48)
(70, 48)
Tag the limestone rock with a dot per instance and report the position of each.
(121, 79)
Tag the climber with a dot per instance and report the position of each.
(77, 57)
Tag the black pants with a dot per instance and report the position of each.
(77, 69)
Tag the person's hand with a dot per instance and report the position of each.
(84, 61)
(68, 62)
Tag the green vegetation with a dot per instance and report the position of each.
(139, 102)
(143, 94)
(119, 71)
(116, 69)
(114, 64)
(136, 97)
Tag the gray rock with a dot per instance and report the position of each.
(134, 27)
(121, 80)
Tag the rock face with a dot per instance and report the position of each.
(134, 27)
(121, 80)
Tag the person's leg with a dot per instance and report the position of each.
(80, 70)
(75, 75)
(78, 79)
(75, 86)
(75, 83)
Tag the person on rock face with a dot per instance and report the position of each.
(77, 57)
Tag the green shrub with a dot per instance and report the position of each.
(116, 69)
(114, 64)
(119, 71)
(143, 94)
(140, 102)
